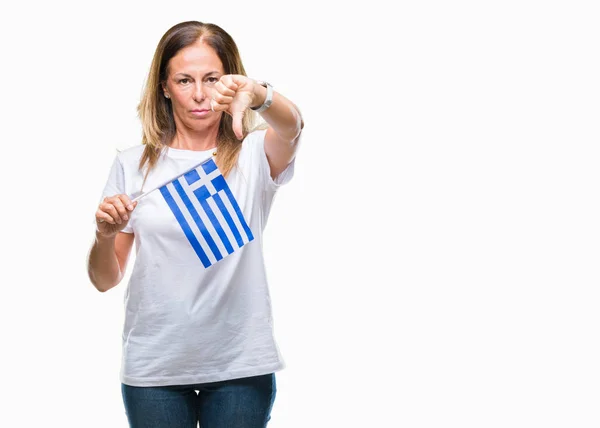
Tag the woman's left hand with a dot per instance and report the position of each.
(234, 94)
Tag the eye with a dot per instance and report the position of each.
(184, 81)
(212, 80)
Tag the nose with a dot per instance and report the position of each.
(199, 92)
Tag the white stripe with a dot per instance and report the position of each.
(221, 218)
(191, 223)
(205, 180)
(211, 188)
(205, 219)
(234, 216)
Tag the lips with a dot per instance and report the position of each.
(200, 112)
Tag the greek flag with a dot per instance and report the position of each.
(207, 212)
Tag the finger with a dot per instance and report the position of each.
(215, 106)
(222, 99)
(214, 100)
(102, 217)
(213, 103)
(126, 202)
(224, 90)
(237, 124)
(228, 82)
(111, 210)
(120, 207)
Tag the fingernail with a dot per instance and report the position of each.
(125, 217)
(130, 207)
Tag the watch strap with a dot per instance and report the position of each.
(268, 98)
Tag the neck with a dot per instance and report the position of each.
(189, 139)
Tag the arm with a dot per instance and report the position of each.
(233, 94)
(110, 251)
(107, 260)
(285, 125)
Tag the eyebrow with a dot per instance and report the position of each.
(207, 74)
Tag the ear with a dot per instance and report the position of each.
(164, 90)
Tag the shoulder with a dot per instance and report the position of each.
(254, 157)
(255, 137)
(253, 161)
(253, 147)
(253, 144)
(131, 154)
(129, 158)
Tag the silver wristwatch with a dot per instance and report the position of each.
(268, 99)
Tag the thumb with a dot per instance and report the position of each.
(237, 117)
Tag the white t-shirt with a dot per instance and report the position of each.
(186, 323)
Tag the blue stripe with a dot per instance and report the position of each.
(220, 184)
(184, 197)
(185, 226)
(192, 176)
(228, 219)
(203, 194)
(209, 166)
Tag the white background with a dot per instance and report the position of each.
(434, 261)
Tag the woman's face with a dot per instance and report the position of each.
(192, 74)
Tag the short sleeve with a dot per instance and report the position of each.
(284, 177)
(115, 185)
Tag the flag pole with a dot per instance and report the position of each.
(137, 198)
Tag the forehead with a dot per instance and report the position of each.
(196, 57)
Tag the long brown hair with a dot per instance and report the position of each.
(155, 112)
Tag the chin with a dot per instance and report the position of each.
(201, 124)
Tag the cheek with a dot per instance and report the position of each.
(179, 101)
(180, 94)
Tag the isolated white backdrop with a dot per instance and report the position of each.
(433, 263)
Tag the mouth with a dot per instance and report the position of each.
(200, 112)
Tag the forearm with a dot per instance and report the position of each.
(103, 265)
(283, 115)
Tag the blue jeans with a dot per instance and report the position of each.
(236, 403)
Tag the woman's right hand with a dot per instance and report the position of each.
(113, 215)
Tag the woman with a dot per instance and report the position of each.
(198, 314)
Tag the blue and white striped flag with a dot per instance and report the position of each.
(207, 212)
